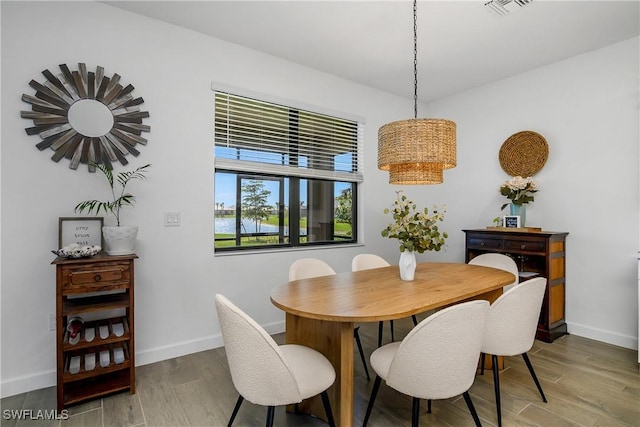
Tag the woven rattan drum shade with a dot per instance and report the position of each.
(416, 151)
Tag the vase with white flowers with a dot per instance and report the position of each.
(416, 230)
(120, 239)
(520, 191)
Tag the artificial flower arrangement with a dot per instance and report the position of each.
(416, 230)
(519, 190)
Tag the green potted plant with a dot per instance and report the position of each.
(416, 230)
(120, 239)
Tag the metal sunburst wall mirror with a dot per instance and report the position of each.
(86, 117)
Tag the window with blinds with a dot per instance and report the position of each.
(284, 176)
(254, 135)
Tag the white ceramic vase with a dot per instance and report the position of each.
(120, 240)
(407, 265)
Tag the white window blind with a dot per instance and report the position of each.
(258, 136)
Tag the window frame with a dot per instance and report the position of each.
(293, 198)
(241, 170)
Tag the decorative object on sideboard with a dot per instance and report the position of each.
(120, 240)
(416, 230)
(512, 221)
(416, 151)
(83, 231)
(519, 211)
(86, 117)
(74, 250)
(523, 153)
(520, 191)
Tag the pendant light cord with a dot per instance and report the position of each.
(415, 59)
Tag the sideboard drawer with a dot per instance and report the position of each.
(106, 276)
(525, 245)
(484, 243)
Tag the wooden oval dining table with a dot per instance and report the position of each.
(321, 312)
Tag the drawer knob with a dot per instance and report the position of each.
(482, 243)
(523, 246)
(97, 278)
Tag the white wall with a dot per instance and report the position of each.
(581, 105)
(587, 109)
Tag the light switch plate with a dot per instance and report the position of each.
(172, 219)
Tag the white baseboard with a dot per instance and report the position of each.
(609, 337)
(193, 346)
(27, 383)
(45, 379)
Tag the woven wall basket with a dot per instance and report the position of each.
(523, 153)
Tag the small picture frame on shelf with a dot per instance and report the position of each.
(85, 231)
(512, 221)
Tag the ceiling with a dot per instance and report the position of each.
(461, 44)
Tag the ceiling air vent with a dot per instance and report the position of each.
(505, 7)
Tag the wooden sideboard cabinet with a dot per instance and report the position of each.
(537, 253)
(101, 359)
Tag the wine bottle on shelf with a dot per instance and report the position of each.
(74, 326)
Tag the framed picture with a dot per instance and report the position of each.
(85, 231)
(512, 221)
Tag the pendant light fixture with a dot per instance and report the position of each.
(416, 151)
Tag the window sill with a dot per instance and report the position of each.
(287, 249)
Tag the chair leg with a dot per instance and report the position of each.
(482, 358)
(415, 412)
(270, 415)
(235, 410)
(393, 338)
(533, 375)
(472, 408)
(374, 393)
(356, 335)
(415, 320)
(428, 406)
(496, 386)
(380, 325)
(327, 408)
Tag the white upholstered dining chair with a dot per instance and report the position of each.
(436, 360)
(265, 373)
(500, 261)
(511, 329)
(306, 268)
(367, 262)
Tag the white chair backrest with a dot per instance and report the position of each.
(307, 268)
(439, 357)
(367, 261)
(501, 261)
(258, 368)
(513, 319)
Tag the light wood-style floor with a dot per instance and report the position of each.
(587, 383)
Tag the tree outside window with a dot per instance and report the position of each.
(255, 204)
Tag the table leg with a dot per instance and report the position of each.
(335, 341)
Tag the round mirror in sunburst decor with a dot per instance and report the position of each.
(86, 117)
